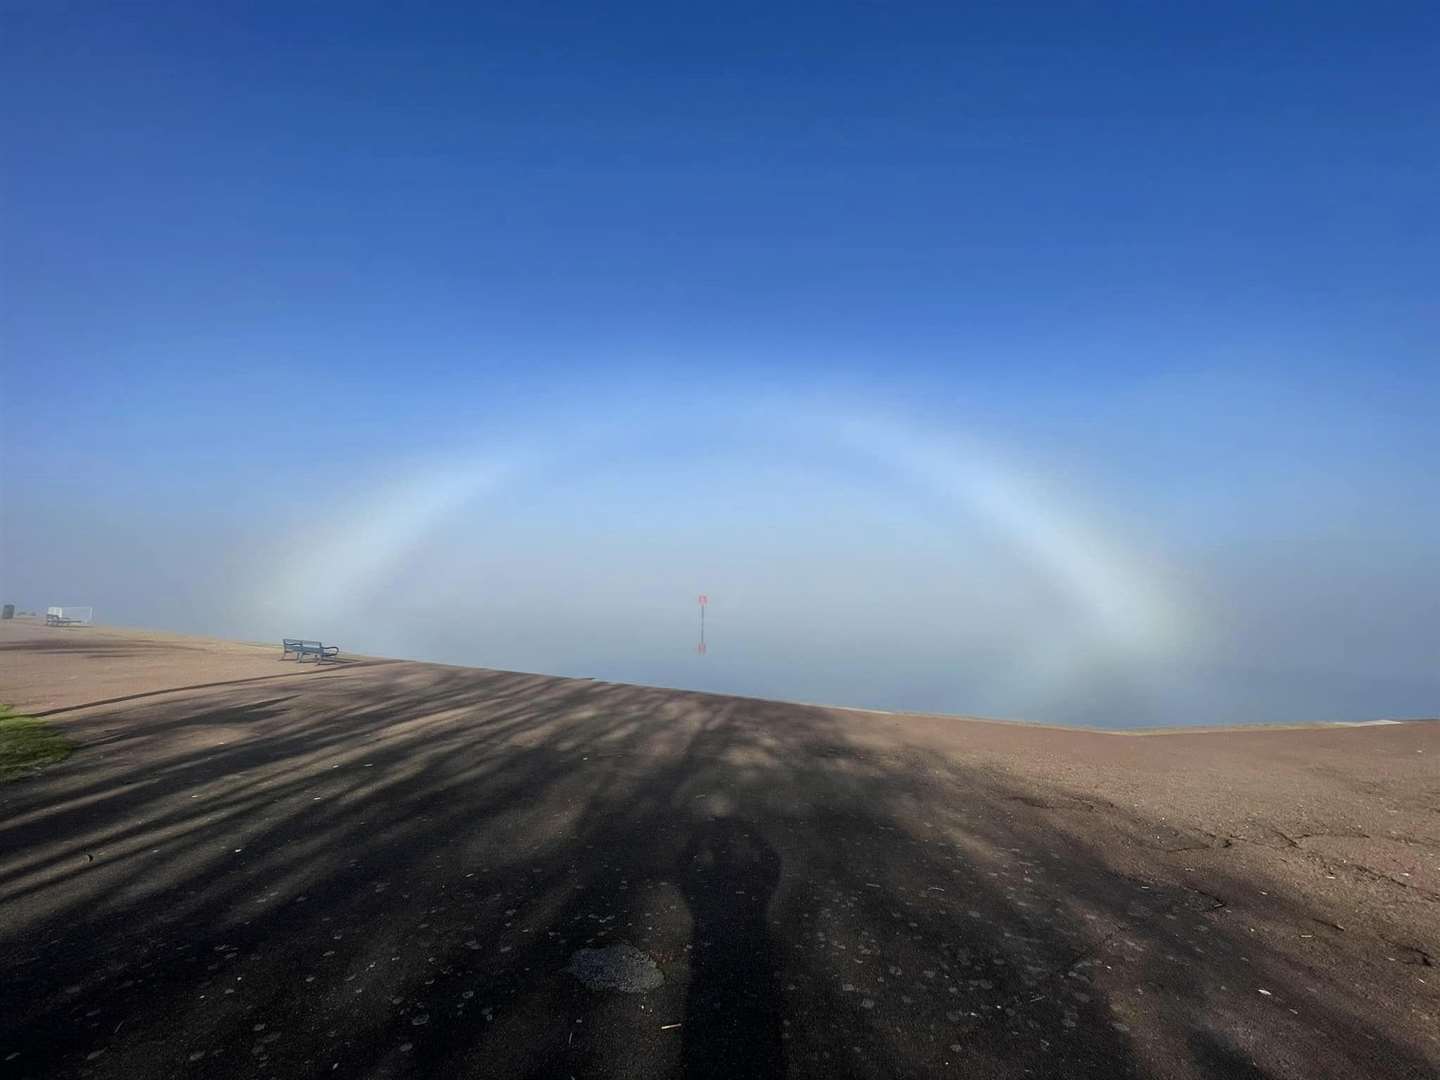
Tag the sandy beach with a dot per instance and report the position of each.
(253, 867)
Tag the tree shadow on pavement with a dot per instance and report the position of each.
(387, 872)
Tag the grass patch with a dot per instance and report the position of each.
(26, 744)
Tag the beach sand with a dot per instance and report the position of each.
(251, 867)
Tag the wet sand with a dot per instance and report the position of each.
(383, 868)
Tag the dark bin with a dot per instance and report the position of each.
(7, 612)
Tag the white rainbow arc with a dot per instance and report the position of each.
(359, 546)
(1130, 614)
(1122, 601)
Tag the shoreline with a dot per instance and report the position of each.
(1197, 729)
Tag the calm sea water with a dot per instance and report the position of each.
(977, 682)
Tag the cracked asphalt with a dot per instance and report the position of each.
(255, 869)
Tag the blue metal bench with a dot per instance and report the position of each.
(302, 649)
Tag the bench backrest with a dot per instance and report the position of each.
(298, 645)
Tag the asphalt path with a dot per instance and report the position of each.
(252, 868)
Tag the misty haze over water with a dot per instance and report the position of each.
(850, 556)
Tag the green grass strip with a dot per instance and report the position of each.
(27, 744)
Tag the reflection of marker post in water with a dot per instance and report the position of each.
(703, 601)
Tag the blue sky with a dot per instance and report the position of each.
(615, 289)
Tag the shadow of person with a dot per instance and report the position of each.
(733, 1013)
